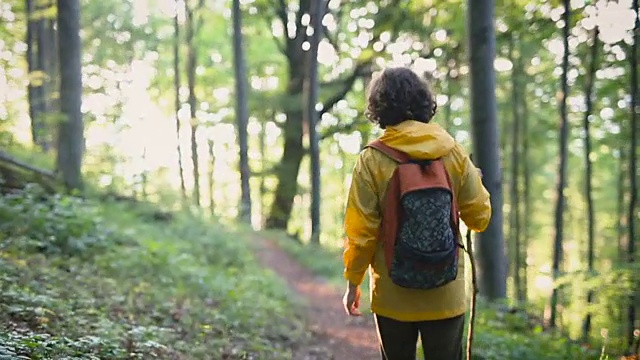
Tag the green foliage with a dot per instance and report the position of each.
(52, 224)
(179, 290)
(500, 335)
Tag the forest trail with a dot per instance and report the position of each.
(335, 335)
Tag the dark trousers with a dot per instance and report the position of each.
(441, 339)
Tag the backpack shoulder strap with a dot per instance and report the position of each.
(396, 155)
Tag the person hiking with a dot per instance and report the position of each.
(408, 190)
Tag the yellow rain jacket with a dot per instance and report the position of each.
(372, 172)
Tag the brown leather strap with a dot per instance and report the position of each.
(396, 155)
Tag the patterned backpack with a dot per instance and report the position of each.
(420, 220)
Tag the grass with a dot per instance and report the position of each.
(82, 280)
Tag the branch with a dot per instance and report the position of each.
(15, 162)
(340, 128)
(360, 70)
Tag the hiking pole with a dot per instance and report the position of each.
(474, 293)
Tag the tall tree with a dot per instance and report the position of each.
(633, 155)
(176, 85)
(482, 48)
(192, 57)
(387, 19)
(41, 61)
(588, 95)
(32, 89)
(71, 128)
(526, 185)
(311, 85)
(562, 167)
(514, 212)
(242, 113)
(210, 179)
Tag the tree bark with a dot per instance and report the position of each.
(191, 80)
(526, 201)
(514, 212)
(176, 85)
(242, 113)
(632, 213)
(40, 62)
(588, 94)
(562, 167)
(263, 185)
(289, 167)
(32, 52)
(491, 256)
(210, 179)
(312, 118)
(71, 128)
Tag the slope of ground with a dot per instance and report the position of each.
(80, 280)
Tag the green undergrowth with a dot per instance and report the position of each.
(499, 334)
(83, 280)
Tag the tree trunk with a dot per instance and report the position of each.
(289, 167)
(176, 85)
(39, 61)
(514, 212)
(210, 179)
(526, 201)
(491, 256)
(631, 215)
(46, 63)
(448, 123)
(311, 85)
(263, 168)
(562, 167)
(71, 128)
(144, 176)
(287, 170)
(242, 113)
(588, 95)
(32, 52)
(191, 79)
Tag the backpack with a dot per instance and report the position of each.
(420, 222)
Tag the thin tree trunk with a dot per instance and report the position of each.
(491, 257)
(448, 124)
(562, 168)
(210, 179)
(242, 113)
(31, 63)
(312, 119)
(71, 128)
(263, 160)
(526, 201)
(621, 203)
(176, 85)
(38, 61)
(144, 176)
(588, 94)
(631, 215)
(515, 192)
(191, 79)
(46, 64)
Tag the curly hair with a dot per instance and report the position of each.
(398, 94)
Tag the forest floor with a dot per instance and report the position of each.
(334, 334)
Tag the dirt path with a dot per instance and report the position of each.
(335, 335)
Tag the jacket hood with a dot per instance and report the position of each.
(419, 140)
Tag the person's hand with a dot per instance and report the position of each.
(351, 300)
